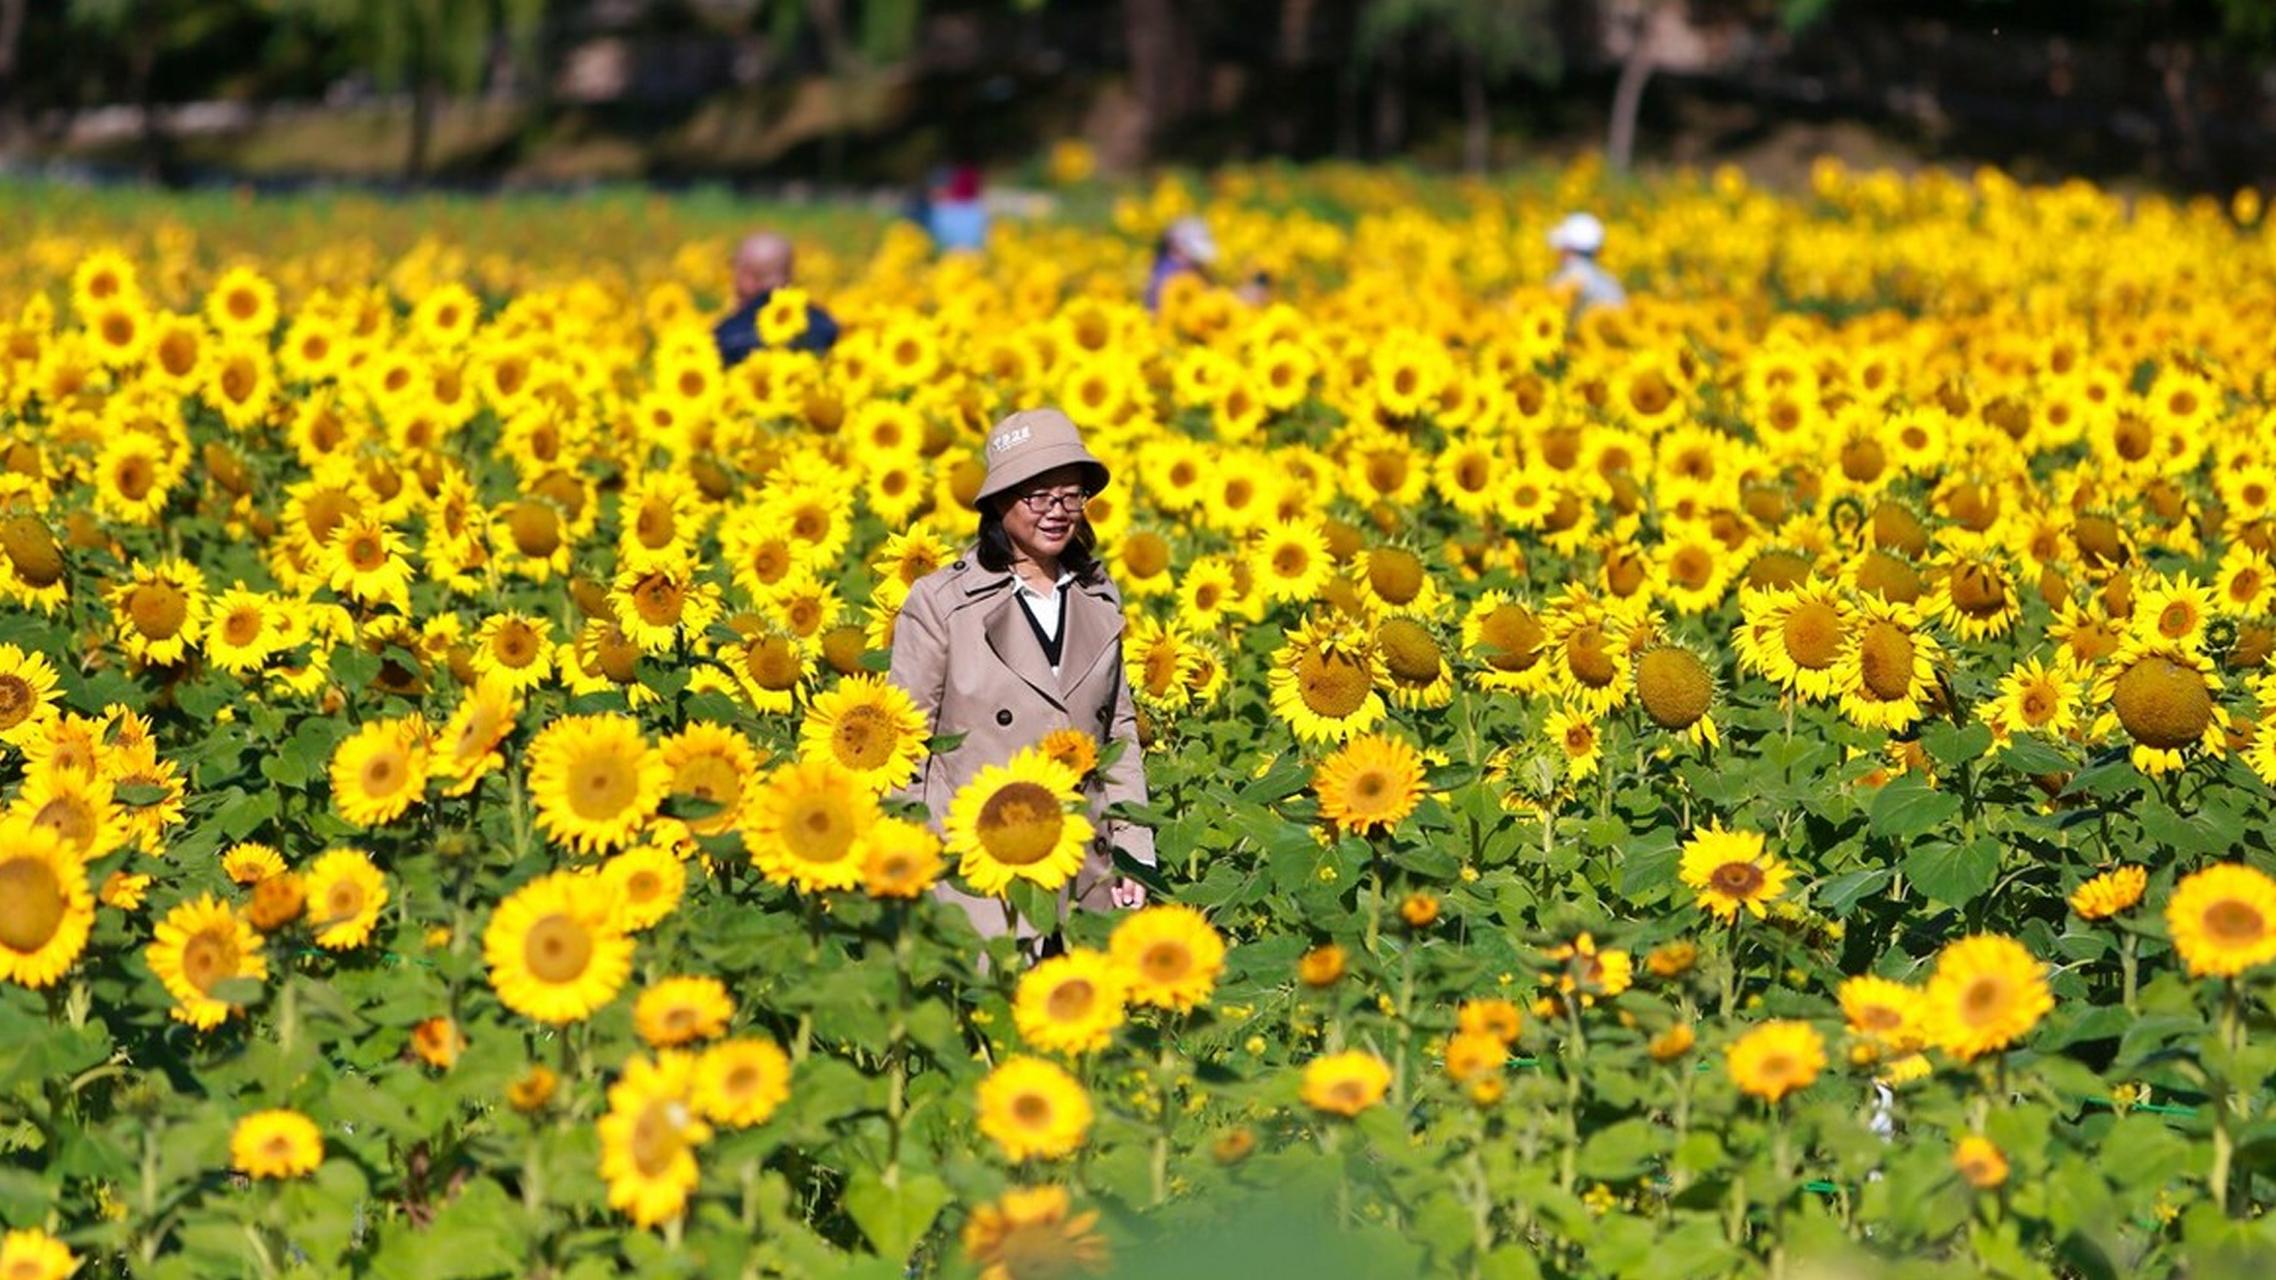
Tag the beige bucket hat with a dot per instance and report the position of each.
(1031, 442)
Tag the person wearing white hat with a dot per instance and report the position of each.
(1577, 241)
(1185, 247)
(1022, 636)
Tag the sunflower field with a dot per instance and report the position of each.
(1773, 777)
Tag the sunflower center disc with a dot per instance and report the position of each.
(31, 904)
(1071, 1000)
(1020, 823)
(159, 609)
(557, 949)
(862, 739)
(207, 958)
(2234, 924)
(1885, 661)
(2162, 704)
(1813, 635)
(1332, 685)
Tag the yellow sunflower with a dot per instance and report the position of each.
(33, 1254)
(805, 823)
(555, 949)
(242, 304)
(513, 651)
(27, 694)
(1883, 1013)
(870, 727)
(159, 611)
(1032, 1109)
(1071, 1003)
(1731, 870)
(649, 1137)
(2109, 893)
(1345, 1083)
(1018, 820)
(467, 745)
(2165, 698)
(202, 945)
(2034, 698)
(1030, 1233)
(46, 908)
(659, 605)
(345, 893)
(77, 808)
(380, 770)
(595, 781)
(713, 766)
(1887, 671)
(368, 562)
(1507, 636)
(741, 1082)
(1776, 1059)
(1795, 636)
(1170, 956)
(1370, 784)
(678, 1011)
(646, 882)
(240, 636)
(899, 858)
(1677, 692)
(1988, 991)
(1323, 681)
(275, 1144)
(2223, 920)
(1572, 733)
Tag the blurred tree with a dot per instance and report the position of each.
(1489, 40)
(1166, 66)
(854, 39)
(12, 14)
(1640, 28)
(147, 31)
(425, 47)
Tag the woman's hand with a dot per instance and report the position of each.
(1127, 893)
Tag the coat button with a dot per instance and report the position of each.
(958, 565)
(1105, 714)
(1004, 717)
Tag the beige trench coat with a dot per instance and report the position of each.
(963, 649)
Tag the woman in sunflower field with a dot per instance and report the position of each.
(1018, 645)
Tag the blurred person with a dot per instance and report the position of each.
(1186, 247)
(1577, 240)
(762, 264)
(1020, 637)
(955, 213)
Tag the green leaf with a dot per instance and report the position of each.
(1954, 874)
(1838, 894)
(1623, 1150)
(1285, 778)
(894, 1218)
(245, 814)
(2028, 755)
(135, 795)
(1908, 806)
(471, 1238)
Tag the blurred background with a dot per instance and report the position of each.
(2179, 94)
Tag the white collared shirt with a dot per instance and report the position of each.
(1043, 606)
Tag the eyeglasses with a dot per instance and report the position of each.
(1071, 501)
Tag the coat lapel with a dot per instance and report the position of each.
(1014, 644)
(1093, 623)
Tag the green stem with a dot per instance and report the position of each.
(2224, 1101)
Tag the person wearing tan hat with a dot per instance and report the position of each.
(1021, 636)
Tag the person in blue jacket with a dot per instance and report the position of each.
(762, 265)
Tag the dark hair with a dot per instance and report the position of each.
(995, 549)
